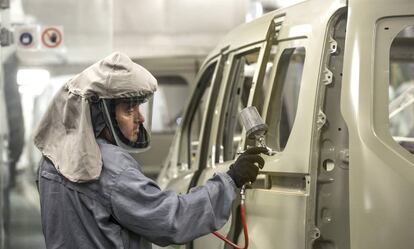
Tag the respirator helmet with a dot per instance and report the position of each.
(89, 102)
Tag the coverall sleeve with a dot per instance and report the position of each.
(165, 217)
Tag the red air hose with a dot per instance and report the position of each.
(243, 220)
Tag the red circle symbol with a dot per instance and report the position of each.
(51, 37)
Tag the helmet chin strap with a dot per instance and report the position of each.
(142, 140)
(143, 137)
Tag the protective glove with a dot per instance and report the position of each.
(246, 167)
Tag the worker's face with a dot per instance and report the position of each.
(129, 117)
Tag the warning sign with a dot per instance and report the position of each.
(52, 37)
(26, 37)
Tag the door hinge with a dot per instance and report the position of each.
(333, 46)
(344, 155)
(321, 119)
(6, 37)
(327, 76)
(314, 233)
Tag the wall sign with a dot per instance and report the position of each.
(26, 39)
(52, 37)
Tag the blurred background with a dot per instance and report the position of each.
(46, 42)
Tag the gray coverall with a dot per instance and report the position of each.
(125, 209)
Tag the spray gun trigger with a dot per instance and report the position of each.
(269, 151)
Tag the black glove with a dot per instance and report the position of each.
(246, 167)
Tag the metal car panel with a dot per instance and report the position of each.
(276, 219)
(381, 178)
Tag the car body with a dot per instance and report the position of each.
(332, 81)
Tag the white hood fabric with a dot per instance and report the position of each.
(65, 134)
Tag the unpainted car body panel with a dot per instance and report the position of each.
(302, 29)
(381, 172)
(340, 182)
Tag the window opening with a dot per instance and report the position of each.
(192, 127)
(401, 89)
(285, 97)
(237, 95)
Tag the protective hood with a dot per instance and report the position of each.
(66, 134)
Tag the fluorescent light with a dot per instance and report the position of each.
(32, 81)
(30, 90)
(35, 77)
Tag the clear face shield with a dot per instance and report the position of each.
(129, 120)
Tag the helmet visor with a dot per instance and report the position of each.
(130, 120)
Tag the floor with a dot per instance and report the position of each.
(25, 226)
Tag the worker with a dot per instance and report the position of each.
(93, 193)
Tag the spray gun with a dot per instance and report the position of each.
(255, 129)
